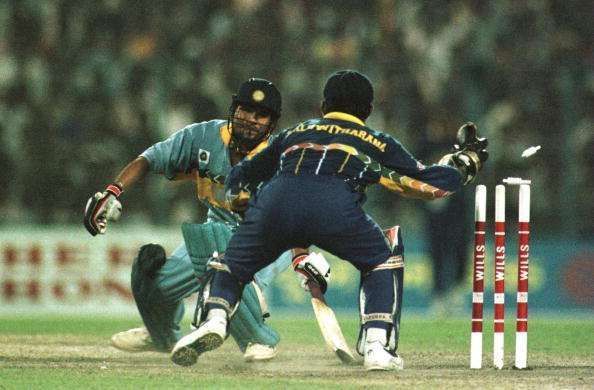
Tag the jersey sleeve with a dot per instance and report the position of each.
(248, 174)
(404, 174)
(177, 154)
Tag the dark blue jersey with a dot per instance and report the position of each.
(341, 145)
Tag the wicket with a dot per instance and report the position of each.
(476, 338)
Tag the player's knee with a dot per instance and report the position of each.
(394, 238)
(147, 263)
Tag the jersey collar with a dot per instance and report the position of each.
(225, 132)
(343, 116)
(257, 149)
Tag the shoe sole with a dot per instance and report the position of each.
(397, 365)
(377, 367)
(383, 368)
(188, 354)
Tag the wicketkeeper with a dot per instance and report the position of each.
(317, 173)
(204, 152)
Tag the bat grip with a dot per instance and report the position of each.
(315, 290)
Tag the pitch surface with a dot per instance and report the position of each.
(74, 352)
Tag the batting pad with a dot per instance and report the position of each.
(247, 325)
(202, 240)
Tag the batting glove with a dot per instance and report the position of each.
(102, 207)
(312, 267)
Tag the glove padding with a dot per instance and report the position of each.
(101, 208)
(312, 267)
(470, 152)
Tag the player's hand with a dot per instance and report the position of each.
(312, 267)
(101, 208)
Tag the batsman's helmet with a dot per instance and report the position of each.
(255, 94)
(259, 93)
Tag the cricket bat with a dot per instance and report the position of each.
(329, 325)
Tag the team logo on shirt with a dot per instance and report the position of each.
(203, 156)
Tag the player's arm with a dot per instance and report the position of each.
(169, 157)
(177, 154)
(404, 174)
(132, 173)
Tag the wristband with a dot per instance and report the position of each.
(115, 189)
(298, 259)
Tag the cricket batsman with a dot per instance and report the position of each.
(205, 153)
(316, 174)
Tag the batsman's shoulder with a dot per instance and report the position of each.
(210, 132)
(212, 127)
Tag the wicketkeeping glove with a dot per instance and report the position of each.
(102, 207)
(312, 267)
(470, 152)
(467, 140)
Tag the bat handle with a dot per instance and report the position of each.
(315, 290)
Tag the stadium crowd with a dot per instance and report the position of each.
(84, 80)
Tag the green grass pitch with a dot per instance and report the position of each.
(73, 352)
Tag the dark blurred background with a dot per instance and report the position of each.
(85, 86)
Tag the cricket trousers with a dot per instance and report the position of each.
(303, 210)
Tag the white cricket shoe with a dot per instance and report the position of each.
(133, 340)
(209, 335)
(377, 358)
(259, 352)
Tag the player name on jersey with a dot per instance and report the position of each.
(336, 129)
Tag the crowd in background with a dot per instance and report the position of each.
(85, 86)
